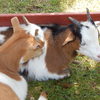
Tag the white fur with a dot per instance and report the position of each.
(3, 28)
(19, 87)
(2, 38)
(21, 61)
(42, 98)
(91, 41)
(31, 29)
(37, 67)
(38, 70)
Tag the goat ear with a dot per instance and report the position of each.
(69, 38)
(15, 23)
(74, 21)
(25, 20)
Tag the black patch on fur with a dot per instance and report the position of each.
(24, 73)
(76, 30)
(87, 27)
(92, 22)
(57, 29)
(74, 53)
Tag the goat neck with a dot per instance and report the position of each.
(10, 55)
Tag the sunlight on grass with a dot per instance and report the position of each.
(84, 83)
(80, 5)
(86, 61)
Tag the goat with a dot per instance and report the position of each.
(19, 45)
(61, 46)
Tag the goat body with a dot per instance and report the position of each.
(53, 63)
(12, 85)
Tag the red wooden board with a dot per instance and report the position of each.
(47, 18)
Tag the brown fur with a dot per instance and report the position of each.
(6, 93)
(11, 52)
(20, 44)
(60, 51)
(58, 56)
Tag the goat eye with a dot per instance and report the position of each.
(87, 26)
(83, 44)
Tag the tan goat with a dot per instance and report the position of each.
(20, 45)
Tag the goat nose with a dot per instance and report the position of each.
(98, 56)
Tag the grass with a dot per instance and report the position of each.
(84, 83)
(44, 6)
(29, 6)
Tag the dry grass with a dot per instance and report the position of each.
(80, 5)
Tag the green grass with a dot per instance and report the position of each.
(29, 6)
(84, 83)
